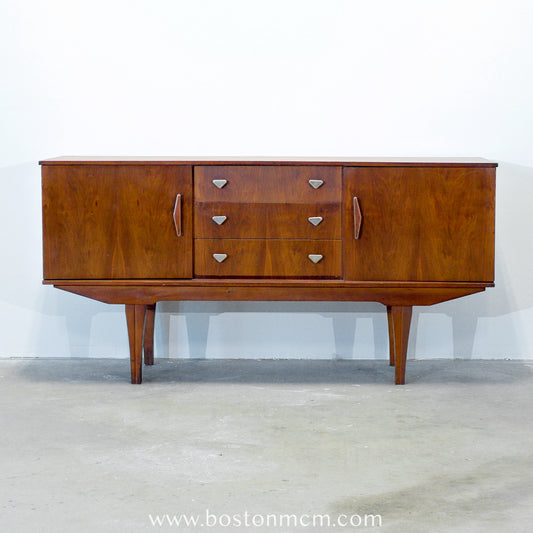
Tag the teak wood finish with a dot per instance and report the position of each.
(401, 232)
(112, 222)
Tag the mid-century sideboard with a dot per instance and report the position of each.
(137, 231)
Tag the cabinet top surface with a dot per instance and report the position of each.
(345, 161)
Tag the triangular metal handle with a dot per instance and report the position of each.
(219, 183)
(315, 220)
(220, 257)
(219, 219)
(316, 183)
(316, 258)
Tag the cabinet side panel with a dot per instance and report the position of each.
(116, 222)
(420, 224)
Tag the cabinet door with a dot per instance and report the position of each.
(419, 224)
(117, 221)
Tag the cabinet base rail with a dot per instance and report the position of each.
(140, 300)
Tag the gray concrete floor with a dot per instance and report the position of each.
(82, 450)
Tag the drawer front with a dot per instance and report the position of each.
(267, 258)
(267, 184)
(267, 221)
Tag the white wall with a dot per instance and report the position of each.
(272, 78)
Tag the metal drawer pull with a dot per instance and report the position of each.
(220, 183)
(219, 219)
(316, 183)
(315, 220)
(220, 257)
(176, 215)
(316, 258)
(357, 217)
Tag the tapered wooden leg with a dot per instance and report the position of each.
(148, 340)
(391, 335)
(401, 322)
(135, 319)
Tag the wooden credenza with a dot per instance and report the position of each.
(137, 231)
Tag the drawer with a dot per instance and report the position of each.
(267, 221)
(267, 258)
(268, 184)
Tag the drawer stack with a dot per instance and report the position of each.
(267, 221)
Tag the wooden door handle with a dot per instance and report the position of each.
(357, 217)
(176, 215)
